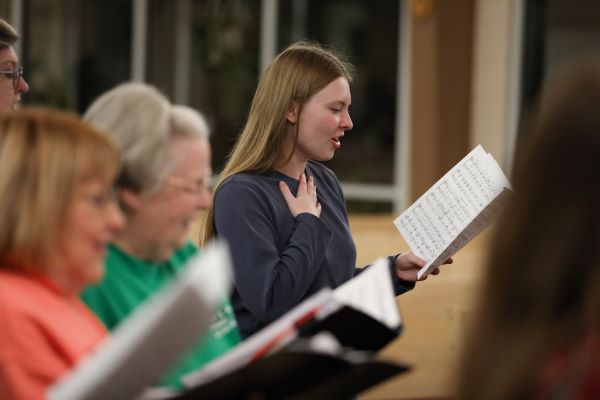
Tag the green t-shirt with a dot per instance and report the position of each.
(128, 281)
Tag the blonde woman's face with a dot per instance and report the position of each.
(324, 120)
(92, 220)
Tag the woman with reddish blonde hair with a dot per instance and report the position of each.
(58, 214)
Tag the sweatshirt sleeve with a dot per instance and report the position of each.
(400, 286)
(272, 272)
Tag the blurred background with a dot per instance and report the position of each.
(434, 78)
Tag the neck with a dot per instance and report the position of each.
(55, 273)
(131, 244)
(295, 166)
(293, 170)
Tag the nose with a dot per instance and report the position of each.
(204, 200)
(347, 121)
(115, 217)
(22, 86)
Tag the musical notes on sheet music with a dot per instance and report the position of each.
(435, 226)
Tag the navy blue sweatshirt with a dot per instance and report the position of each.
(280, 260)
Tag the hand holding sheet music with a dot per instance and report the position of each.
(455, 209)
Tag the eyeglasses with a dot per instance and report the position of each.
(14, 75)
(192, 187)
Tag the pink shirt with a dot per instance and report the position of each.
(43, 333)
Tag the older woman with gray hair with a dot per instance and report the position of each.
(163, 184)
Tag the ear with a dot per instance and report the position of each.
(130, 199)
(292, 112)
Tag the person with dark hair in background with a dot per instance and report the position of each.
(536, 334)
(58, 214)
(12, 83)
(289, 239)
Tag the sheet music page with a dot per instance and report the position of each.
(372, 292)
(431, 224)
(142, 348)
(482, 221)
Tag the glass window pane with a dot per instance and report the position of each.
(556, 35)
(75, 50)
(368, 149)
(161, 45)
(225, 67)
(5, 10)
(223, 57)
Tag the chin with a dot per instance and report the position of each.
(323, 158)
(95, 273)
(183, 239)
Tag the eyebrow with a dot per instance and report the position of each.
(8, 64)
(340, 103)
